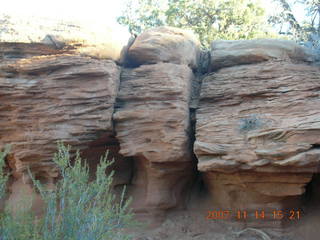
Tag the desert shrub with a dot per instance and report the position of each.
(18, 226)
(3, 176)
(21, 224)
(76, 209)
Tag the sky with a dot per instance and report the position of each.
(96, 15)
(88, 10)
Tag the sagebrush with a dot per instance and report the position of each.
(76, 208)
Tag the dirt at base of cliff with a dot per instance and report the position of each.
(191, 224)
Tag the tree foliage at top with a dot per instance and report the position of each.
(209, 19)
(306, 30)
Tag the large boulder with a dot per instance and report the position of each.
(227, 53)
(165, 44)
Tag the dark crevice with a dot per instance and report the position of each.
(317, 145)
(198, 189)
(311, 197)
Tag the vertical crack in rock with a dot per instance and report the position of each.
(152, 116)
(152, 124)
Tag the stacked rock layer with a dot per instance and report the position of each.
(258, 125)
(152, 118)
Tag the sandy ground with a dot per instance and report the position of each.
(191, 224)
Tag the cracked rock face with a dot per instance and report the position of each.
(152, 125)
(257, 118)
(258, 125)
(152, 117)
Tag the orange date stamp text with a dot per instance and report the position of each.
(254, 215)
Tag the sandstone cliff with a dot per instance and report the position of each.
(255, 140)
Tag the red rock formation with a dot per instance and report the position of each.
(152, 118)
(152, 124)
(47, 95)
(228, 53)
(165, 44)
(257, 121)
(258, 128)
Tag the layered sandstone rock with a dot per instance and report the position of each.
(257, 120)
(152, 124)
(226, 53)
(258, 125)
(152, 118)
(48, 95)
(165, 44)
(261, 116)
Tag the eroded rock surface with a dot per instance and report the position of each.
(226, 53)
(258, 125)
(259, 116)
(257, 119)
(152, 124)
(165, 44)
(47, 95)
(152, 118)
(99, 41)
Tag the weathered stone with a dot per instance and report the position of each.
(152, 115)
(165, 44)
(227, 53)
(266, 199)
(259, 116)
(236, 190)
(152, 124)
(257, 125)
(10, 50)
(54, 40)
(122, 167)
(54, 97)
(257, 130)
(160, 186)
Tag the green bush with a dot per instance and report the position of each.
(76, 209)
(3, 176)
